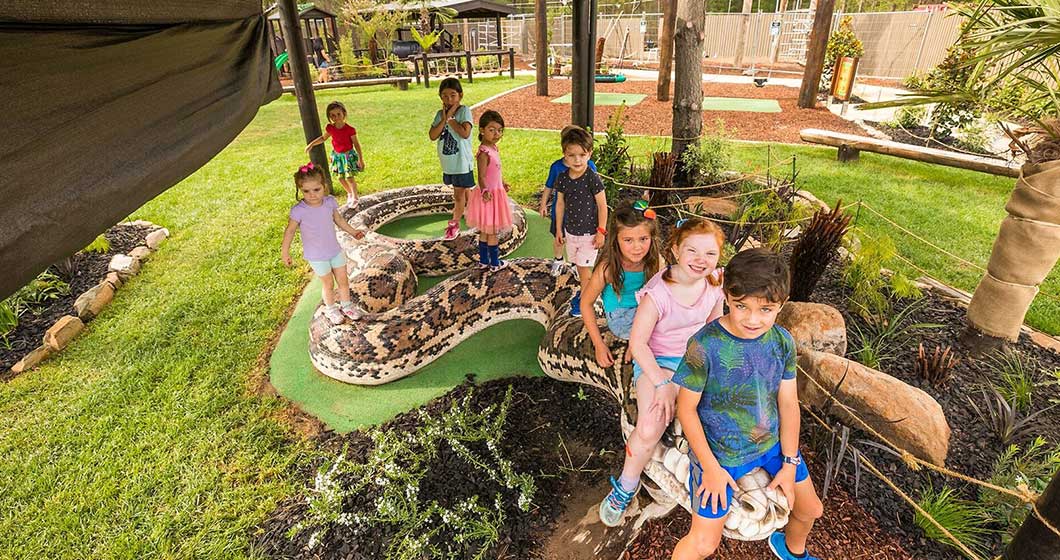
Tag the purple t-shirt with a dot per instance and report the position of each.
(317, 225)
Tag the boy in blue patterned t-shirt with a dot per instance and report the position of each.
(739, 408)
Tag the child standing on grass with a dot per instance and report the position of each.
(548, 206)
(451, 129)
(316, 216)
(630, 255)
(739, 407)
(347, 158)
(674, 304)
(581, 207)
(487, 208)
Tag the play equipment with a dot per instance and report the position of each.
(402, 332)
(280, 60)
(610, 78)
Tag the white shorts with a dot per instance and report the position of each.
(580, 250)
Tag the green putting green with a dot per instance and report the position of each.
(503, 350)
(608, 98)
(741, 104)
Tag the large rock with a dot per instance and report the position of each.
(63, 331)
(124, 265)
(33, 359)
(155, 238)
(141, 252)
(815, 326)
(712, 206)
(902, 413)
(90, 303)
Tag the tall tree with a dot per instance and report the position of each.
(811, 76)
(688, 74)
(541, 46)
(666, 48)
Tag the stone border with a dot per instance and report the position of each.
(941, 289)
(89, 304)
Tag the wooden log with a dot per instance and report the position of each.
(918, 153)
(399, 82)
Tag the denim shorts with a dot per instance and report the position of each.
(771, 461)
(620, 321)
(665, 362)
(323, 268)
(462, 180)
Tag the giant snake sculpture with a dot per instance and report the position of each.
(402, 332)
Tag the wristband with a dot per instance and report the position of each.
(667, 382)
(796, 460)
(601, 231)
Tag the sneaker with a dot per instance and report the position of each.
(780, 548)
(615, 504)
(503, 264)
(334, 314)
(351, 312)
(557, 267)
(576, 305)
(451, 230)
(484, 266)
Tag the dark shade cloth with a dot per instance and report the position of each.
(104, 113)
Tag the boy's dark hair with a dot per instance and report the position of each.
(490, 116)
(576, 136)
(758, 272)
(451, 83)
(334, 105)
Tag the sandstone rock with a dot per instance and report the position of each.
(114, 280)
(905, 415)
(90, 303)
(155, 238)
(712, 206)
(815, 326)
(142, 223)
(63, 331)
(33, 359)
(124, 265)
(140, 252)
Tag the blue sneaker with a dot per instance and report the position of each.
(615, 504)
(576, 305)
(780, 548)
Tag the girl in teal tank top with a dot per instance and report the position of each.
(631, 251)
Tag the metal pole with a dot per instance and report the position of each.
(303, 88)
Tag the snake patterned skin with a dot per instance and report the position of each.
(402, 332)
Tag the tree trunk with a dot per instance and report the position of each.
(688, 74)
(303, 87)
(1026, 248)
(1035, 541)
(541, 58)
(741, 35)
(666, 48)
(811, 77)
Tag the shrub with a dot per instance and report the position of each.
(1013, 377)
(8, 321)
(39, 292)
(347, 59)
(612, 155)
(973, 137)
(765, 215)
(1033, 467)
(862, 275)
(908, 117)
(880, 339)
(964, 519)
(815, 249)
(951, 74)
(99, 245)
(1003, 417)
(704, 160)
(914, 81)
(843, 42)
(936, 367)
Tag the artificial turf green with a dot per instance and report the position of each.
(741, 104)
(602, 98)
(503, 350)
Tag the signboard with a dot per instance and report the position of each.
(843, 78)
(774, 29)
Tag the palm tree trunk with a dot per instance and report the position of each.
(1035, 541)
(1025, 250)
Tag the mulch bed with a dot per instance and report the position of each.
(88, 270)
(921, 136)
(524, 109)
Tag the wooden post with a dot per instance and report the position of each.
(688, 75)
(1034, 540)
(666, 49)
(303, 88)
(500, 46)
(741, 35)
(427, 71)
(811, 77)
(511, 63)
(470, 70)
(580, 57)
(541, 46)
(590, 71)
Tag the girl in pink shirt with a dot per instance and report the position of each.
(673, 305)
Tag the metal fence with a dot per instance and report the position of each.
(897, 44)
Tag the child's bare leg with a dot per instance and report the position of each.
(351, 189)
(459, 201)
(557, 248)
(350, 193)
(645, 435)
(702, 539)
(342, 279)
(328, 289)
(584, 274)
(808, 508)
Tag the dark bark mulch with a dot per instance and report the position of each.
(921, 136)
(88, 270)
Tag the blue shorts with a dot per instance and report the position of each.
(770, 461)
(462, 180)
(620, 321)
(323, 268)
(665, 362)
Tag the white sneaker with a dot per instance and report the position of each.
(557, 267)
(334, 315)
(351, 312)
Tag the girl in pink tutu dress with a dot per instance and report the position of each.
(487, 207)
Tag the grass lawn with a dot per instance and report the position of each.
(147, 438)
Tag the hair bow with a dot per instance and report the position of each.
(642, 207)
(307, 167)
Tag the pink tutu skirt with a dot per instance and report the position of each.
(490, 217)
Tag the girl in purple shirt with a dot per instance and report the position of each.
(316, 216)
